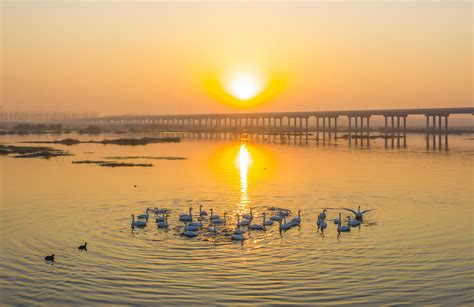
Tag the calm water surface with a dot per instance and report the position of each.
(416, 246)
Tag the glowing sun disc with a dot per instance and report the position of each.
(244, 87)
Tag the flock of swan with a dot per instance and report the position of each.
(193, 227)
(217, 224)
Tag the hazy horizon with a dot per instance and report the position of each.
(171, 58)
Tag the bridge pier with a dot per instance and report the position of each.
(324, 130)
(317, 130)
(438, 131)
(350, 130)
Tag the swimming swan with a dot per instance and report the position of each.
(161, 211)
(322, 215)
(284, 225)
(358, 214)
(244, 222)
(353, 223)
(198, 223)
(322, 224)
(342, 228)
(189, 233)
(248, 216)
(202, 212)
(160, 219)
(163, 224)
(144, 215)
(296, 220)
(186, 217)
(238, 234)
(213, 216)
(259, 226)
(220, 220)
(238, 230)
(137, 223)
(265, 221)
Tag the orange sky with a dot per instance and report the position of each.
(173, 57)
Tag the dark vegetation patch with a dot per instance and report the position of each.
(31, 151)
(112, 163)
(34, 129)
(124, 141)
(90, 130)
(146, 157)
(141, 141)
(68, 141)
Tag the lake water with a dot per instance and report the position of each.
(416, 247)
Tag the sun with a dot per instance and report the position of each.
(244, 86)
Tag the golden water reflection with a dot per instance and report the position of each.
(244, 161)
(244, 167)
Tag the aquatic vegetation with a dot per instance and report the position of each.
(112, 163)
(32, 151)
(147, 157)
(90, 130)
(44, 154)
(67, 141)
(141, 141)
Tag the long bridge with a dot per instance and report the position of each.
(323, 123)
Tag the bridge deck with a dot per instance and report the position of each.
(350, 113)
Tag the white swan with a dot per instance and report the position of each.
(196, 224)
(202, 212)
(186, 217)
(284, 225)
(220, 220)
(237, 237)
(358, 214)
(163, 224)
(342, 228)
(276, 218)
(248, 216)
(213, 216)
(160, 219)
(258, 226)
(353, 223)
(189, 233)
(322, 224)
(161, 211)
(296, 220)
(244, 222)
(322, 215)
(238, 230)
(238, 234)
(266, 222)
(144, 215)
(137, 223)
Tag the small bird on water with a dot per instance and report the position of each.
(49, 258)
(83, 247)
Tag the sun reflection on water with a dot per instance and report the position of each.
(242, 168)
(244, 160)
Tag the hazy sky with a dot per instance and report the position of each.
(157, 57)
